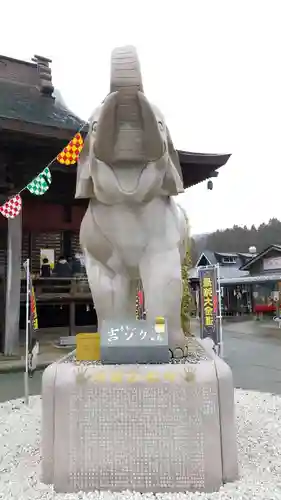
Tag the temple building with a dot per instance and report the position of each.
(35, 126)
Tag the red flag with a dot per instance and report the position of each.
(12, 207)
(140, 297)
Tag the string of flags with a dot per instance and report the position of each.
(41, 183)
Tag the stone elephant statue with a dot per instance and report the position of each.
(132, 229)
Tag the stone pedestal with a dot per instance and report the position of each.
(155, 428)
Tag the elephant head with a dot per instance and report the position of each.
(127, 130)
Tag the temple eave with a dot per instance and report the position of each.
(197, 167)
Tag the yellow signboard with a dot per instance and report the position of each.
(208, 303)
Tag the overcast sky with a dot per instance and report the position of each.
(213, 67)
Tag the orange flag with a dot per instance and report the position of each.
(69, 155)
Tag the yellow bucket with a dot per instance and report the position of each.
(88, 346)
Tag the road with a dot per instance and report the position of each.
(253, 350)
(12, 385)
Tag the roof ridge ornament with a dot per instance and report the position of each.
(45, 74)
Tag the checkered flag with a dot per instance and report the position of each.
(70, 153)
(12, 207)
(41, 183)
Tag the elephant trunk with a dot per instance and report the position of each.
(125, 70)
(127, 129)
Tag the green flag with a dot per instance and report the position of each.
(41, 183)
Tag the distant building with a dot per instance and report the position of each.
(230, 263)
(236, 299)
(250, 282)
(264, 276)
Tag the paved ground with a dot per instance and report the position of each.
(12, 385)
(252, 349)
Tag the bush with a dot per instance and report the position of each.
(186, 303)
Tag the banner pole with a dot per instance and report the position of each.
(27, 323)
(220, 311)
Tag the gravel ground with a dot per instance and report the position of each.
(259, 443)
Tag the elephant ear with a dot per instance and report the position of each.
(173, 180)
(84, 182)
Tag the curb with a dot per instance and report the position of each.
(10, 368)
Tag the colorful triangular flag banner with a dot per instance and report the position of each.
(41, 183)
(12, 207)
(70, 153)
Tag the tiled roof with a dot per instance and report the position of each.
(22, 102)
(226, 254)
(197, 167)
(226, 272)
(209, 255)
(247, 255)
(26, 103)
(260, 255)
(261, 278)
(231, 272)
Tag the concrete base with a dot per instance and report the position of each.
(155, 428)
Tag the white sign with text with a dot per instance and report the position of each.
(272, 263)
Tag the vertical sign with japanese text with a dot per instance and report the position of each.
(209, 303)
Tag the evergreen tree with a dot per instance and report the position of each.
(239, 239)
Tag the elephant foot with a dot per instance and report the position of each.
(177, 339)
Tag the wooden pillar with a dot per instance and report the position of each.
(12, 314)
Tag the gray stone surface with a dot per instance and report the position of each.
(166, 427)
(137, 341)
